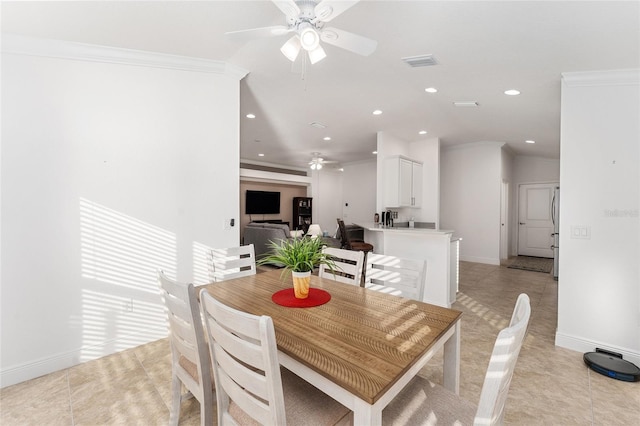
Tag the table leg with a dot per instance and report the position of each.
(365, 414)
(451, 368)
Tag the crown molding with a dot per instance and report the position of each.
(602, 78)
(32, 46)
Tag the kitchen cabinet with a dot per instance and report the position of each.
(402, 182)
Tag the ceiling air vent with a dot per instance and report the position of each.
(318, 125)
(466, 103)
(420, 61)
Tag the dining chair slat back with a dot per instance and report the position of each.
(190, 365)
(502, 365)
(250, 387)
(422, 400)
(232, 262)
(348, 266)
(245, 362)
(395, 275)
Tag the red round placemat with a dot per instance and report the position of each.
(287, 298)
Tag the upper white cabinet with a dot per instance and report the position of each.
(402, 182)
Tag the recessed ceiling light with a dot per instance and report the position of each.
(251, 116)
(529, 141)
(375, 152)
(327, 138)
(377, 112)
(431, 90)
(422, 132)
(512, 92)
(260, 155)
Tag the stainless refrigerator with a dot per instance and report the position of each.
(555, 217)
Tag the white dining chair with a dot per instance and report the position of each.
(395, 275)
(425, 403)
(348, 266)
(190, 364)
(250, 385)
(232, 262)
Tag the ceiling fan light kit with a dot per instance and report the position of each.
(291, 48)
(317, 162)
(317, 55)
(307, 19)
(309, 38)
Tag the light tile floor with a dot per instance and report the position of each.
(551, 385)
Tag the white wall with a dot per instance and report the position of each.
(110, 171)
(471, 179)
(327, 190)
(535, 169)
(427, 151)
(507, 170)
(359, 192)
(598, 288)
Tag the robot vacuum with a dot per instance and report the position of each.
(612, 365)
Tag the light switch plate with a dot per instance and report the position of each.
(581, 232)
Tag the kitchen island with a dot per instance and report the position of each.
(437, 246)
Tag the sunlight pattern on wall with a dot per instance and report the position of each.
(111, 323)
(118, 249)
(201, 263)
(120, 258)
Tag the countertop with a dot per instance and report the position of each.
(371, 226)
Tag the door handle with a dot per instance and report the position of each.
(522, 223)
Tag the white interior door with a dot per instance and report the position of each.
(535, 226)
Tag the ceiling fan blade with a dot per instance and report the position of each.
(353, 42)
(326, 10)
(246, 35)
(288, 7)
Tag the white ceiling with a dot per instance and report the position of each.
(483, 48)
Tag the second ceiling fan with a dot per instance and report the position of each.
(317, 162)
(307, 19)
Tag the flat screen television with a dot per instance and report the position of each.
(262, 202)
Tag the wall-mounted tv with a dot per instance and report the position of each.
(262, 202)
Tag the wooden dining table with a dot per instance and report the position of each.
(361, 348)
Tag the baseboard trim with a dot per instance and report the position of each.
(475, 259)
(583, 345)
(36, 368)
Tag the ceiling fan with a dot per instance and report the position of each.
(307, 19)
(317, 162)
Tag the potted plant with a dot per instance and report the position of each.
(298, 256)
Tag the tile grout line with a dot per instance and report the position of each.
(151, 380)
(590, 396)
(66, 374)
